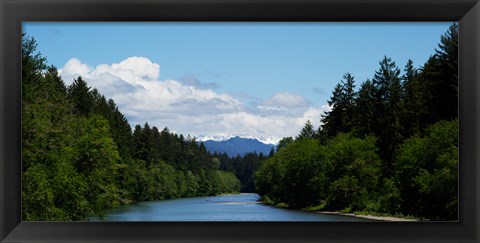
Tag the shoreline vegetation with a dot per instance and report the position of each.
(80, 157)
(387, 150)
(373, 217)
(366, 215)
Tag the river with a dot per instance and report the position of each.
(236, 207)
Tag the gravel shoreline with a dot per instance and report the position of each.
(379, 218)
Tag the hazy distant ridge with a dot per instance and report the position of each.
(238, 145)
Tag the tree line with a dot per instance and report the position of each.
(244, 167)
(389, 147)
(81, 158)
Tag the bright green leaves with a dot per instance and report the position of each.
(168, 165)
(305, 173)
(228, 182)
(94, 148)
(304, 166)
(37, 196)
(345, 174)
(427, 172)
(96, 157)
(355, 171)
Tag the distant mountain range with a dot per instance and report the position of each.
(238, 145)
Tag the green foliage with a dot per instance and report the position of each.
(388, 111)
(414, 102)
(343, 173)
(80, 158)
(307, 131)
(316, 207)
(427, 172)
(37, 196)
(304, 172)
(265, 199)
(81, 96)
(389, 197)
(228, 182)
(340, 118)
(355, 171)
(33, 64)
(344, 190)
(269, 178)
(281, 205)
(410, 118)
(284, 142)
(244, 168)
(390, 148)
(364, 109)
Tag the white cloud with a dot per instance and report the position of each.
(72, 69)
(190, 107)
(314, 115)
(133, 70)
(285, 100)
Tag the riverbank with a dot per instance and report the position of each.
(366, 216)
(267, 201)
(243, 207)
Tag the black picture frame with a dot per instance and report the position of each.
(13, 12)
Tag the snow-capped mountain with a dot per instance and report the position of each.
(238, 145)
(224, 137)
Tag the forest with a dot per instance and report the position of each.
(81, 158)
(389, 147)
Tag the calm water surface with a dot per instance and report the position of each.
(238, 207)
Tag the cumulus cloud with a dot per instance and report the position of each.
(285, 100)
(284, 104)
(189, 106)
(72, 69)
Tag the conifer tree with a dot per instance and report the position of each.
(412, 99)
(340, 118)
(33, 64)
(388, 109)
(284, 142)
(447, 87)
(307, 131)
(80, 95)
(364, 109)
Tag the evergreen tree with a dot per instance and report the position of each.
(80, 158)
(413, 100)
(139, 143)
(388, 109)
(33, 64)
(121, 130)
(307, 131)
(284, 142)
(80, 95)
(447, 87)
(365, 110)
(340, 118)
(272, 152)
(55, 80)
(332, 120)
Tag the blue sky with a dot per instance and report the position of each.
(244, 74)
